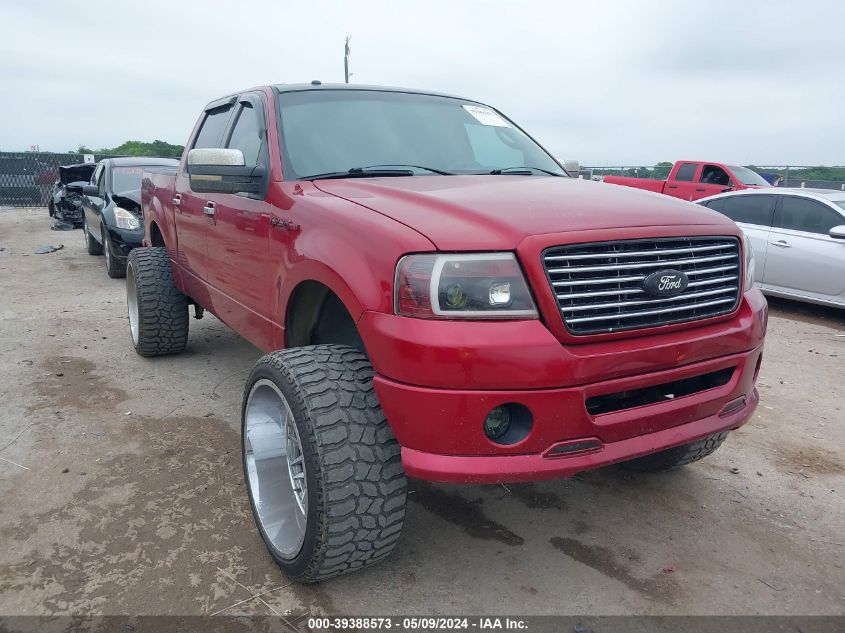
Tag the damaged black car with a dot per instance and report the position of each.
(65, 203)
(113, 223)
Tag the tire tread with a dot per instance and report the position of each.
(361, 486)
(162, 308)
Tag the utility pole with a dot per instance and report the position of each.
(346, 59)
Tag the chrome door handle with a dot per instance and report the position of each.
(177, 200)
(782, 244)
(208, 210)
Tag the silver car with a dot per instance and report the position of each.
(798, 237)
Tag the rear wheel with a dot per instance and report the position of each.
(322, 466)
(158, 311)
(114, 267)
(91, 244)
(678, 456)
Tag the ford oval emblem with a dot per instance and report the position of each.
(665, 283)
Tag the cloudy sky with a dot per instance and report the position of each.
(601, 82)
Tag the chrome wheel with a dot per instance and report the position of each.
(275, 467)
(85, 231)
(132, 303)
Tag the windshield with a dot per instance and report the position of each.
(126, 178)
(748, 177)
(328, 131)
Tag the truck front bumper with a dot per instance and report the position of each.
(533, 467)
(620, 400)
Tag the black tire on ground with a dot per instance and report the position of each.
(158, 312)
(115, 268)
(677, 456)
(356, 487)
(91, 245)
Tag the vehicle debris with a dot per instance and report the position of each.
(42, 250)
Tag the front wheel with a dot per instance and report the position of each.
(322, 466)
(678, 456)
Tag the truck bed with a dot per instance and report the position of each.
(649, 184)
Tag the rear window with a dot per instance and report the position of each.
(749, 209)
(686, 172)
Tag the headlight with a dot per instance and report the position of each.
(749, 262)
(126, 219)
(469, 286)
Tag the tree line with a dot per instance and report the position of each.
(136, 148)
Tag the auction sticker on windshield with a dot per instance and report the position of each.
(486, 116)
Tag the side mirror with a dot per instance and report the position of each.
(218, 170)
(838, 232)
(91, 190)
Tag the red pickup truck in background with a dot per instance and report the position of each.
(439, 300)
(691, 180)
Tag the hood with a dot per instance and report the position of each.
(498, 212)
(73, 173)
(129, 200)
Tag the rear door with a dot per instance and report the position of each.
(682, 182)
(238, 231)
(803, 259)
(753, 214)
(190, 208)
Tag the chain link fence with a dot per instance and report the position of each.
(26, 178)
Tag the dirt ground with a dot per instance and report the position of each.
(121, 490)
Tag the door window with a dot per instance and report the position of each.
(803, 214)
(246, 135)
(686, 172)
(749, 209)
(211, 132)
(715, 175)
(716, 204)
(101, 181)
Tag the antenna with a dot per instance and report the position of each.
(346, 59)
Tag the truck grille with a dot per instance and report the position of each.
(599, 286)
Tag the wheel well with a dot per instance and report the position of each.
(316, 315)
(156, 238)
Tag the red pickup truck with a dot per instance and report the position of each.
(440, 300)
(691, 180)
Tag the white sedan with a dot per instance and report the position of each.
(798, 236)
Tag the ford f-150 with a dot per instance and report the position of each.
(439, 300)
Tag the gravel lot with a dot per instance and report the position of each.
(121, 489)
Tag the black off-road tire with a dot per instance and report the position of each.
(115, 268)
(356, 484)
(678, 456)
(91, 245)
(162, 310)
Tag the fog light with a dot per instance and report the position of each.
(497, 423)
